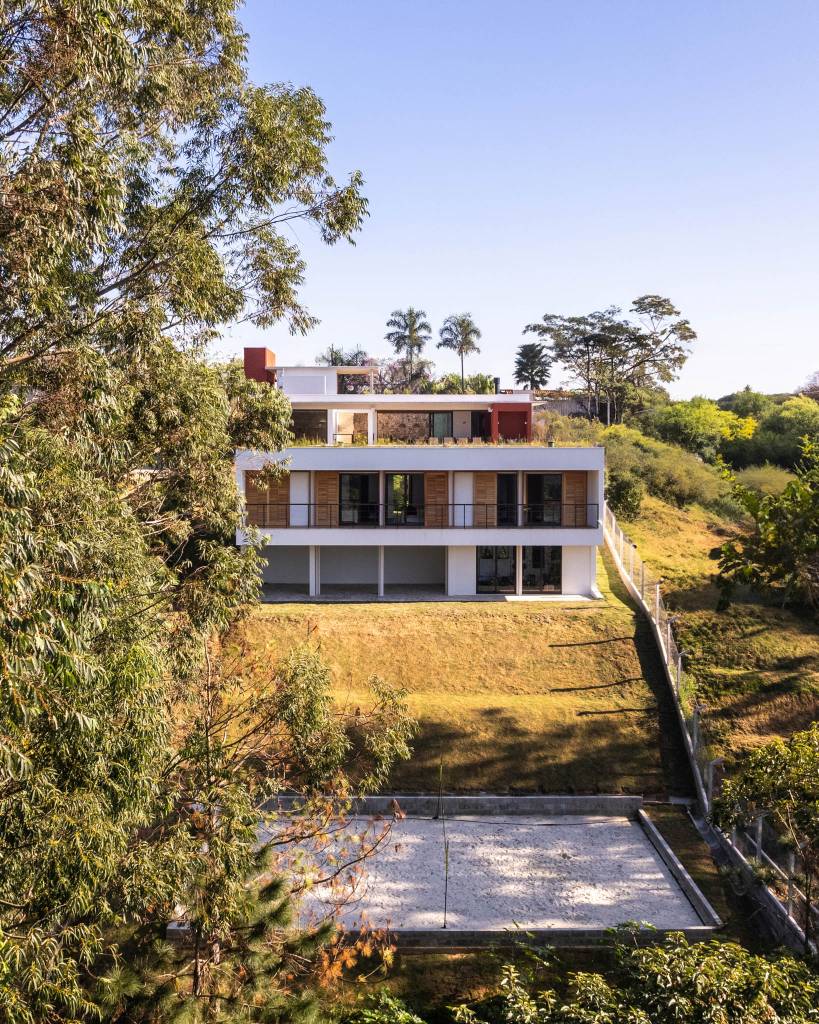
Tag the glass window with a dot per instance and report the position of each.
(310, 424)
(440, 424)
(543, 496)
(358, 499)
(507, 499)
(405, 499)
(542, 570)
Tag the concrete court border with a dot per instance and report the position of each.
(554, 805)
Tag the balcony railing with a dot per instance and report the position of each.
(552, 514)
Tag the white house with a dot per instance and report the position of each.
(400, 494)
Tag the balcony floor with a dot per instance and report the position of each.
(366, 593)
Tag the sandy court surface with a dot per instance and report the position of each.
(525, 872)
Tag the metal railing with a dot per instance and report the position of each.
(755, 842)
(478, 516)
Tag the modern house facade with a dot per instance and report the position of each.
(405, 494)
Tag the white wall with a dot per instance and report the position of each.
(286, 565)
(578, 570)
(299, 498)
(462, 494)
(461, 573)
(415, 565)
(349, 565)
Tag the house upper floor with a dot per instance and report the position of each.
(340, 405)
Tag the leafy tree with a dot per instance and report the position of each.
(781, 433)
(748, 402)
(460, 334)
(452, 384)
(619, 361)
(533, 365)
(672, 983)
(333, 356)
(811, 387)
(146, 186)
(781, 554)
(408, 333)
(698, 425)
(781, 780)
(245, 735)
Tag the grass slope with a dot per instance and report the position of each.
(518, 696)
(756, 666)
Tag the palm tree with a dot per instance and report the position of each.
(460, 333)
(409, 332)
(533, 364)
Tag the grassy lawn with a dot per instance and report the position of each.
(756, 666)
(518, 696)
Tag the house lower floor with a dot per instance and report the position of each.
(428, 571)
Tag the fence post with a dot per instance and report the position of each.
(758, 837)
(710, 788)
(657, 601)
(791, 872)
(668, 638)
(695, 728)
(643, 580)
(622, 546)
(631, 567)
(679, 672)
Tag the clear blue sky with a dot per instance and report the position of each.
(530, 157)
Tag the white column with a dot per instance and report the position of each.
(519, 570)
(371, 426)
(521, 512)
(331, 425)
(380, 570)
(312, 572)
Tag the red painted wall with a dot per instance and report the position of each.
(513, 422)
(259, 364)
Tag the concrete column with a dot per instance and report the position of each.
(380, 570)
(313, 572)
(371, 426)
(519, 570)
(331, 425)
(521, 520)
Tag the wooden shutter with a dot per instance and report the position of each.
(574, 499)
(485, 497)
(267, 506)
(436, 499)
(326, 513)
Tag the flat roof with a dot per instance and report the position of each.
(370, 400)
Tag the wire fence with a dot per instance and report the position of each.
(775, 864)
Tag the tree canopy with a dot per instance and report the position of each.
(461, 335)
(618, 360)
(533, 365)
(408, 333)
(147, 184)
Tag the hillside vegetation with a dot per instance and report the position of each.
(518, 696)
(756, 666)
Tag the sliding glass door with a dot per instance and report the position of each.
(405, 499)
(358, 499)
(496, 570)
(542, 570)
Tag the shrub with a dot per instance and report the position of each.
(625, 494)
(699, 425)
(666, 471)
(766, 479)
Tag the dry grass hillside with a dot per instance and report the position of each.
(518, 696)
(756, 665)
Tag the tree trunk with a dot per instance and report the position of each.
(463, 384)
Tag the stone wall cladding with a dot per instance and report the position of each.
(403, 426)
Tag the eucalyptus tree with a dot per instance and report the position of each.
(408, 333)
(146, 186)
(460, 334)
